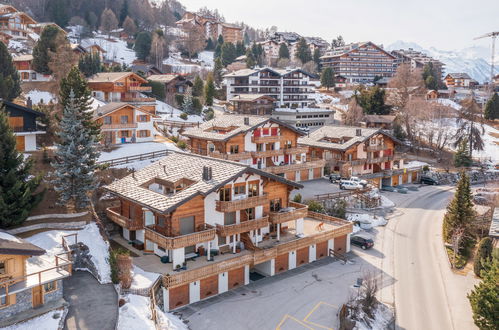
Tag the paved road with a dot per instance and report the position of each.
(92, 305)
(426, 293)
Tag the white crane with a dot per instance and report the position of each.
(492, 35)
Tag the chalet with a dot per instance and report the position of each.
(78, 50)
(340, 81)
(15, 23)
(22, 120)
(208, 223)
(263, 143)
(95, 49)
(28, 282)
(365, 152)
(211, 27)
(459, 80)
(253, 104)
(378, 121)
(174, 84)
(146, 70)
(122, 87)
(124, 123)
(24, 65)
(5, 37)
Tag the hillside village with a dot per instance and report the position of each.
(158, 164)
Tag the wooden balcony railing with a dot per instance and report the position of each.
(138, 99)
(119, 126)
(140, 88)
(296, 150)
(267, 153)
(376, 147)
(296, 167)
(206, 234)
(241, 204)
(300, 211)
(242, 227)
(235, 157)
(265, 139)
(127, 223)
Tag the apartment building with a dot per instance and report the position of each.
(124, 87)
(365, 152)
(308, 118)
(211, 27)
(360, 62)
(23, 121)
(264, 143)
(15, 23)
(273, 42)
(288, 87)
(124, 123)
(459, 80)
(253, 104)
(209, 224)
(417, 59)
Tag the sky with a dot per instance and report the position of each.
(444, 24)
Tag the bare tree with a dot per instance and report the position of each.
(193, 40)
(456, 240)
(129, 27)
(470, 123)
(159, 49)
(61, 61)
(354, 113)
(109, 22)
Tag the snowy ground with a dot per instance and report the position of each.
(167, 112)
(41, 96)
(116, 49)
(367, 221)
(142, 279)
(324, 98)
(51, 241)
(131, 149)
(47, 321)
(449, 103)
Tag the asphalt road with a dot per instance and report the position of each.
(426, 293)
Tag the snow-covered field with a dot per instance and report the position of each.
(116, 49)
(167, 112)
(131, 149)
(41, 97)
(319, 98)
(47, 321)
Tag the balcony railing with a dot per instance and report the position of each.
(300, 211)
(242, 227)
(267, 153)
(138, 99)
(235, 157)
(296, 167)
(206, 234)
(241, 204)
(377, 147)
(127, 223)
(295, 150)
(265, 139)
(119, 126)
(140, 89)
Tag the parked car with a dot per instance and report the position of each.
(350, 185)
(333, 178)
(361, 241)
(428, 180)
(358, 180)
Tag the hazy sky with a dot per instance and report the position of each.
(444, 24)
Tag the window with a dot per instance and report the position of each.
(229, 218)
(33, 75)
(250, 213)
(107, 120)
(143, 133)
(234, 149)
(143, 118)
(275, 205)
(240, 190)
(49, 287)
(124, 119)
(259, 147)
(3, 267)
(252, 189)
(225, 194)
(124, 134)
(4, 301)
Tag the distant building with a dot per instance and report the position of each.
(5, 37)
(24, 65)
(22, 120)
(417, 60)
(360, 62)
(145, 69)
(459, 80)
(174, 84)
(308, 118)
(253, 104)
(211, 27)
(15, 23)
(273, 43)
(378, 121)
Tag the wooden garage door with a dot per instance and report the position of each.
(395, 180)
(291, 175)
(281, 263)
(209, 286)
(414, 176)
(20, 144)
(179, 296)
(236, 278)
(304, 175)
(317, 173)
(302, 256)
(321, 250)
(405, 178)
(340, 244)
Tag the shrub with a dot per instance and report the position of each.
(339, 209)
(174, 139)
(182, 145)
(184, 116)
(179, 100)
(297, 198)
(483, 255)
(315, 207)
(113, 263)
(426, 168)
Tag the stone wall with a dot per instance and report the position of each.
(23, 303)
(82, 260)
(54, 295)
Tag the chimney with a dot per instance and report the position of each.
(207, 173)
(29, 102)
(246, 121)
(358, 132)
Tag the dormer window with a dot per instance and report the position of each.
(166, 187)
(107, 120)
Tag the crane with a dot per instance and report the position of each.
(492, 35)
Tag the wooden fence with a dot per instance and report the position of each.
(134, 158)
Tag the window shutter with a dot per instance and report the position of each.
(11, 266)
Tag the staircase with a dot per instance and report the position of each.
(248, 243)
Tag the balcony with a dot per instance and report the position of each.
(300, 211)
(119, 126)
(265, 139)
(379, 159)
(146, 89)
(234, 157)
(205, 234)
(242, 227)
(267, 153)
(296, 167)
(376, 147)
(295, 150)
(127, 223)
(241, 204)
(138, 99)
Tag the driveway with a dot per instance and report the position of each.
(92, 305)
(316, 187)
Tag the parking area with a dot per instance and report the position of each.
(316, 187)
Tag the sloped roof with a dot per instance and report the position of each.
(249, 97)
(177, 166)
(10, 244)
(22, 58)
(20, 107)
(385, 119)
(353, 46)
(277, 71)
(459, 75)
(102, 77)
(163, 78)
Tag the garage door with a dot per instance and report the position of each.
(209, 287)
(179, 296)
(302, 256)
(291, 176)
(340, 244)
(236, 278)
(20, 144)
(321, 250)
(281, 263)
(317, 173)
(395, 180)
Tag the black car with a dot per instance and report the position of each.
(428, 180)
(333, 178)
(362, 242)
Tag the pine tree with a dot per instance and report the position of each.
(17, 186)
(484, 299)
(372, 100)
(317, 56)
(188, 106)
(240, 49)
(89, 64)
(58, 12)
(217, 71)
(143, 45)
(303, 52)
(197, 89)
(460, 212)
(75, 157)
(10, 86)
(327, 78)
(462, 156)
(483, 255)
(123, 12)
(75, 83)
(283, 51)
(220, 40)
(46, 43)
(250, 59)
(470, 123)
(209, 44)
(492, 108)
(228, 53)
(247, 40)
(209, 90)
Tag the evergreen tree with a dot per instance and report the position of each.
(317, 56)
(129, 27)
(17, 186)
(89, 64)
(492, 108)
(247, 40)
(327, 78)
(228, 53)
(303, 52)
(338, 42)
(209, 90)
(240, 49)
(46, 43)
(123, 12)
(10, 86)
(483, 255)
(484, 298)
(372, 100)
(258, 54)
(283, 51)
(75, 157)
(209, 44)
(217, 71)
(77, 84)
(143, 45)
(58, 12)
(218, 51)
(220, 40)
(432, 77)
(109, 22)
(250, 59)
(188, 106)
(470, 123)
(462, 156)
(460, 212)
(197, 89)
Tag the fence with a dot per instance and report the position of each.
(134, 158)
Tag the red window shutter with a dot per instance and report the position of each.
(265, 131)
(387, 165)
(256, 132)
(255, 160)
(286, 159)
(273, 131)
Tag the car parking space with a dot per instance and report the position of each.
(316, 187)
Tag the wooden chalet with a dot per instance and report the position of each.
(22, 120)
(15, 23)
(173, 83)
(122, 87)
(146, 70)
(253, 104)
(210, 222)
(378, 121)
(263, 143)
(365, 152)
(459, 80)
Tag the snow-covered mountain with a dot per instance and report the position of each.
(472, 60)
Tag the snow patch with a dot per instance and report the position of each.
(38, 97)
(142, 279)
(47, 321)
(9, 237)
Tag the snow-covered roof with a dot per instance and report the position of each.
(10, 244)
